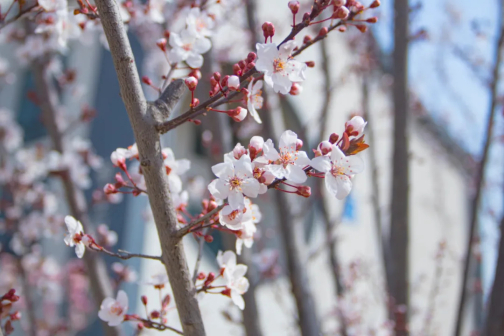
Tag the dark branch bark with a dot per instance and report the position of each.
(399, 226)
(480, 177)
(143, 118)
(101, 286)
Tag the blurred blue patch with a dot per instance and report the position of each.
(349, 209)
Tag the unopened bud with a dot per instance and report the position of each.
(201, 276)
(373, 19)
(195, 73)
(166, 301)
(237, 70)
(224, 81)
(250, 66)
(166, 34)
(342, 29)
(242, 64)
(294, 6)
(213, 82)
(307, 39)
(325, 147)
(208, 238)
(299, 144)
(144, 300)
(140, 326)
(310, 64)
(238, 114)
(146, 80)
(323, 31)
(333, 138)
(211, 206)
(15, 316)
(251, 57)
(155, 314)
(257, 143)
(375, 4)
(233, 83)
(119, 180)
(161, 43)
(306, 18)
(109, 189)
(304, 191)
(210, 278)
(191, 83)
(296, 89)
(341, 13)
(195, 102)
(239, 151)
(362, 28)
(226, 292)
(268, 30)
(217, 76)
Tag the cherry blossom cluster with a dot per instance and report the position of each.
(6, 302)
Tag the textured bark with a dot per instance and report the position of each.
(494, 325)
(101, 286)
(399, 225)
(144, 117)
(480, 175)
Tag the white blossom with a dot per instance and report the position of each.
(235, 179)
(175, 168)
(188, 47)
(338, 171)
(199, 22)
(254, 99)
(289, 162)
(280, 71)
(75, 236)
(248, 230)
(234, 276)
(113, 310)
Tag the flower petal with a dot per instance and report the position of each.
(296, 174)
(321, 163)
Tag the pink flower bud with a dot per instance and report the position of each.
(144, 300)
(15, 316)
(250, 66)
(310, 64)
(226, 292)
(325, 147)
(208, 238)
(238, 114)
(355, 126)
(251, 57)
(296, 89)
(201, 276)
(307, 39)
(195, 73)
(195, 102)
(119, 180)
(109, 189)
(256, 142)
(306, 18)
(210, 278)
(217, 76)
(294, 6)
(161, 43)
(233, 83)
(155, 314)
(333, 138)
(268, 29)
(166, 301)
(323, 31)
(213, 82)
(191, 83)
(146, 80)
(304, 191)
(239, 151)
(242, 64)
(224, 81)
(211, 206)
(237, 70)
(166, 34)
(362, 28)
(375, 4)
(299, 144)
(373, 19)
(341, 13)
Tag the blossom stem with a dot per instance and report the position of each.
(123, 254)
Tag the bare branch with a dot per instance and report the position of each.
(199, 222)
(124, 254)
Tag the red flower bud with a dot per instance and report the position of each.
(307, 39)
(310, 64)
(208, 238)
(242, 64)
(251, 57)
(250, 66)
(201, 276)
(144, 300)
(375, 4)
(195, 73)
(299, 144)
(226, 292)
(161, 43)
(306, 18)
(217, 76)
(191, 83)
(323, 31)
(166, 34)
(373, 19)
(237, 70)
(195, 102)
(146, 80)
(155, 314)
(294, 6)
(166, 301)
(224, 81)
(333, 138)
(362, 28)
(304, 191)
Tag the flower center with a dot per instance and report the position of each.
(235, 183)
(116, 309)
(233, 214)
(278, 65)
(187, 46)
(77, 238)
(285, 158)
(336, 171)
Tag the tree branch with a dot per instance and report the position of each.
(101, 286)
(480, 177)
(143, 121)
(124, 254)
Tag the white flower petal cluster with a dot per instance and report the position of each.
(234, 276)
(280, 70)
(112, 310)
(287, 162)
(188, 46)
(338, 169)
(255, 99)
(75, 236)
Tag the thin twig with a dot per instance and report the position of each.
(121, 254)
(21, 13)
(189, 227)
(201, 243)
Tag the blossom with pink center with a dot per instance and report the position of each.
(112, 310)
(234, 276)
(288, 162)
(248, 230)
(199, 22)
(280, 70)
(233, 218)
(175, 168)
(188, 47)
(254, 99)
(338, 171)
(235, 179)
(75, 236)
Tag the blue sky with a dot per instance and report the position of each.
(455, 94)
